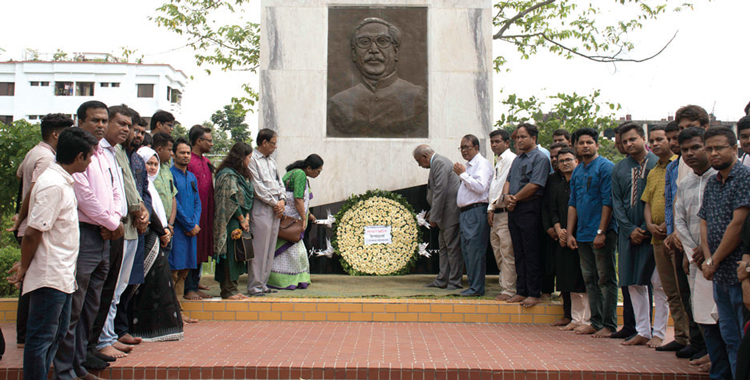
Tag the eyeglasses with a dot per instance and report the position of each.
(711, 149)
(381, 41)
(566, 160)
(210, 141)
(465, 147)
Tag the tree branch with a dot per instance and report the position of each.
(513, 19)
(612, 58)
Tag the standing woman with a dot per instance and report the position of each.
(233, 201)
(291, 270)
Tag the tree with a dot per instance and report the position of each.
(231, 119)
(222, 143)
(60, 55)
(16, 139)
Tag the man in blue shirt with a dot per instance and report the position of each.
(590, 206)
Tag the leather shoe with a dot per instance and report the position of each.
(434, 285)
(671, 346)
(454, 287)
(623, 334)
(687, 352)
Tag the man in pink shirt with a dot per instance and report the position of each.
(100, 220)
(202, 141)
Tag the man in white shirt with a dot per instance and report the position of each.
(472, 201)
(49, 252)
(497, 215)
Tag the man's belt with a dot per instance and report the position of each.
(474, 205)
(89, 226)
(500, 210)
(531, 198)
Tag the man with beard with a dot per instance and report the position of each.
(497, 215)
(202, 142)
(726, 203)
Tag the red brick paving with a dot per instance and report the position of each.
(383, 351)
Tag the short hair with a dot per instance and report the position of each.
(392, 30)
(558, 145)
(721, 131)
(672, 126)
(743, 123)
(136, 117)
(422, 150)
(747, 109)
(531, 129)
(692, 113)
(586, 132)
(265, 134)
(629, 126)
(161, 139)
(689, 133)
(177, 143)
(657, 128)
(472, 139)
(616, 130)
(502, 133)
(55, 122)
(90, 105)
(161, 117)
(72, 142)
(566, 150)
(562, 132)
(147, 140)
(122, 110)
(197, 131)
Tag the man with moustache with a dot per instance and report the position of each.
(497, 215)
(726, 203)
(523, 191)
(442, 189)
(743, 132)
(471, 199)
(202, 142)
(99, 217)
(382, 105)
(687, 224)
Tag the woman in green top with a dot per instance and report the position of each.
(233, 199)
(290, 269)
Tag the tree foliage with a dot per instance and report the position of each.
(231, 119)
(16, 139)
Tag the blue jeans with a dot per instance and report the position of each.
(49, 317)
(717, 351)
(729, 302)
(600, 277)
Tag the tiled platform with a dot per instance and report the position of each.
(383, 351)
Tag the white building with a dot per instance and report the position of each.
(31, 89)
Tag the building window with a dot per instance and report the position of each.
(84, 88)
(145, 90)
(6, 119)
(115, 84)
(34, 84)
(174, 95)
(7, 88)
(63, 88)
(104, 84)
(44, 84)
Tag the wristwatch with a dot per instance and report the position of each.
(710, 262)
(747, 267)
(599, 232)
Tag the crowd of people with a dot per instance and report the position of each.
(115, 223)
(668, 225)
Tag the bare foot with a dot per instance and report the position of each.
(187, 319)
(655, 342)
(603, 333)
(113, 352)
(516, 299)
(237, 297)
(561, 322)
(203, 295)
(531, 301)
(128, 339)
(705, 367)
(585, 330)
(635, 341)
(122, 347)
(203, 287)
(502, 297)
(700, 361)
(569, 327)
(193, 296)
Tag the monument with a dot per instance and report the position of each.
(363, 82)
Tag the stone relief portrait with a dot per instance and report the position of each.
(377, 72)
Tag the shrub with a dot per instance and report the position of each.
(9, 255)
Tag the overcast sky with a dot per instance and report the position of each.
(704, 65)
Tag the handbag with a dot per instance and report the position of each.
(291, 231)
(243, 248)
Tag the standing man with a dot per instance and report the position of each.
(743, 131)
(590, 210)
(636, 259)
(187, 223)
(162, 122)
(726, 203)
(472, 201)
(268, 208)
(687, 224)
(497, 215)
(523, 191)
(99, 220)
(34, 164)
(50, 250)
(442, 189)
(561, 136)
(200, 166)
